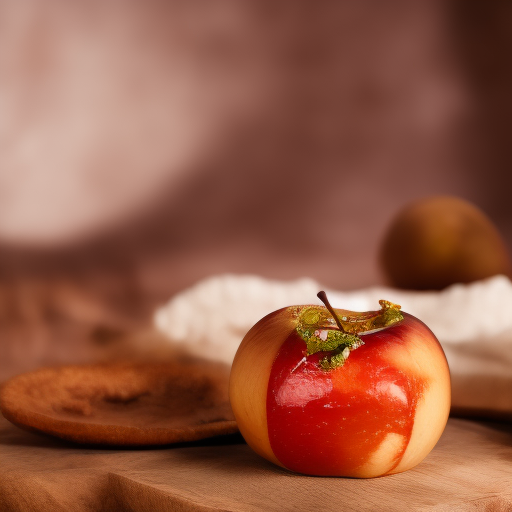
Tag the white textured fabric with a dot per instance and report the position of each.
(473, 323)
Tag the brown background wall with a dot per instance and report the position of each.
(146, 145)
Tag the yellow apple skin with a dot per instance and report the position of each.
(380, 413)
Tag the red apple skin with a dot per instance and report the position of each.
(380, 413)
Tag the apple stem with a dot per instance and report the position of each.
(323, 297)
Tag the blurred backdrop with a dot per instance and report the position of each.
(146, 145)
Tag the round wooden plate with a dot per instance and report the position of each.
(125, 404)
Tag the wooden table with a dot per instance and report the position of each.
(470, 469)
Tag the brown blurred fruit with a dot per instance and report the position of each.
(439, 241)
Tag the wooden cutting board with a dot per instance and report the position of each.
(470, 469)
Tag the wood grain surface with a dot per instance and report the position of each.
(469, 470)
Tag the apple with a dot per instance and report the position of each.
(330, 392)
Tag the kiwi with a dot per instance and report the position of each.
(442, 240)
